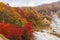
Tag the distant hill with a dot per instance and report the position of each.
(46, 8)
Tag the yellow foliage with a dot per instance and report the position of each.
(2, 4)
(45, 21)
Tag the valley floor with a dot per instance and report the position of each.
(45, 36)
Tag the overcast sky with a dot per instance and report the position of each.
(27, 2)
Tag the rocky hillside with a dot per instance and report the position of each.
(46, 9)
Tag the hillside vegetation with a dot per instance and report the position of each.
(40, 16)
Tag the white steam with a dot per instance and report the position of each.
(55, 23)
(45, 35)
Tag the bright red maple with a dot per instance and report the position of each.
(10, 30)
(28, 27)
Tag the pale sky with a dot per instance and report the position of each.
(32, 3)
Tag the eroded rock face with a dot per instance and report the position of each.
(44, 36)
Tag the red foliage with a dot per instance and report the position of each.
(28, 27)
(17, 31)
(5, 29)
(10, 30)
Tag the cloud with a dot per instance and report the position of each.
(27, 2)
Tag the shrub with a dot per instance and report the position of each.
(12, 32)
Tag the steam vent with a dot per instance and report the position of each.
(29, 19)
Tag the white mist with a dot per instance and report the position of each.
(55, 23)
